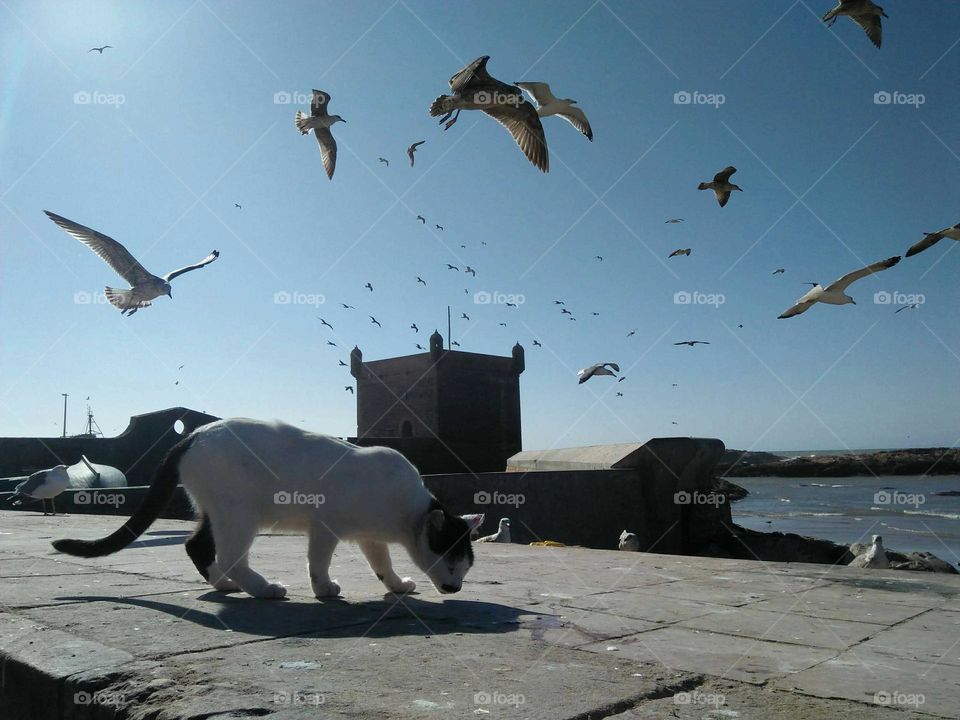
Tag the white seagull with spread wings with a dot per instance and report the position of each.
(319, 121)
(598, 369)
(548, 105)
(144, 286)
(834, 294)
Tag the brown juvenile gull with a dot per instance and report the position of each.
(834, 294)
(933, 238)
(721, 185)
(144, 286)
(598, 369)
(474, 89)
(319, 121)
(864, 13)
(412, 149)
(548, 105)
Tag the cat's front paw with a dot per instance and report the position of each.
(406, 585)
(271, 591)
(225, 584)
(327, 589)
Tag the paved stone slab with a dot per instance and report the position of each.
(640, 605)
(882, 681)
(716, 700)
(931, 637)
(842, 603)
(723, 656)
(785, 627)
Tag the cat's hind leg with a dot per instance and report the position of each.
(203, 552)
(234, 536)
(322, 543)
(378, 555)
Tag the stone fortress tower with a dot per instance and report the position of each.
(446, 410)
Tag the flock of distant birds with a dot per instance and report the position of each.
(473, 88)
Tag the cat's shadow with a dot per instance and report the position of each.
(337, 617)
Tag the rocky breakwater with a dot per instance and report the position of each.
(914, 461)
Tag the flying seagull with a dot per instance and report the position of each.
(474, 89)
(374, 321)
(238, 206)
(414, 327)
(348, 388)
(619, 394)
(347, 307)
(455, 344)
(547, 105)
(598, 369)
(420, 347)
(412, 149)
(324, 322)
(864, 13)
(452, 267)
(621, 378)
(778, 271)
(834, 294)
(464, 316)
(536, 343)
(422, 219)
(564, 311)
(320, 122)
(598, 257)
(721, 185)
(421, 280)
(691, 343)
(342, 363)
(384, 161)
(911, 306)
(144, 286)
(99, 49)
(332, 344)
(503, 324)
(933, 238)
(369, 287)
(510, 304)
(680, 252)
(673, 221)
(631, 333)
(559, 302)
(471, 271)
(439, 227)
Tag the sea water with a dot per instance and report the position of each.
(905, 510)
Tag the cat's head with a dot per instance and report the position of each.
(442, 547)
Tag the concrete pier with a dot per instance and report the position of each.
(537, 632)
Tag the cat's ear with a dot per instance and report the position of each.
(473, 521)
(436, 519)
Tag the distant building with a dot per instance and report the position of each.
(446, 410)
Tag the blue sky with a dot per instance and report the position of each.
(184, 120)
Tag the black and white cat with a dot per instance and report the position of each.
(246, 475)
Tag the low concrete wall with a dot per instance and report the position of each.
(575, 507)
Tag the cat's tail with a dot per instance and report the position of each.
(164, 484)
